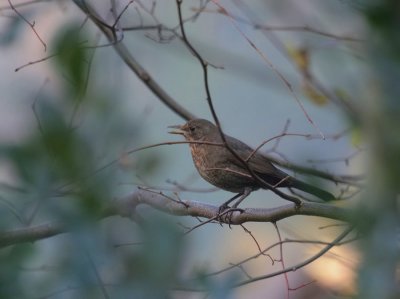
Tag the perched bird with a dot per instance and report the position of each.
(220, 167)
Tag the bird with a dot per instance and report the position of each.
(240, 172)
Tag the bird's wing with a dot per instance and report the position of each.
(259, 163)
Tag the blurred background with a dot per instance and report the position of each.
(70, 105)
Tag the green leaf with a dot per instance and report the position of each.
(71, 56)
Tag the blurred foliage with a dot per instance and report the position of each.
(301, 57)
(10, 271)
(383, 16)
(55, 173)
(71, 55)
(153, 267)
(379, 213)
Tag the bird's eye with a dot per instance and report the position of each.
(192, 129)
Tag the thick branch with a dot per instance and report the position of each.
(126, 207)
(31, 234)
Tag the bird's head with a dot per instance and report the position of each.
(196, 129)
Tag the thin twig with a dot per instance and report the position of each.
(121, 13)
(36, 61)
(304, 28)
(255, 241)
(32, 25)
(281, 258)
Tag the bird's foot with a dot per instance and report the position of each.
(298, 205)
(225, 213)
(222, 208)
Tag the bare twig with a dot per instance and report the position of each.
(281, 258)
(345, 160)
(121, 13)
(32, 25)
(261, 252)
(301, 28)
(273, 138)
(36, 61)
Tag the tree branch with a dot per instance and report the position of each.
(31, 234)
(126, 207)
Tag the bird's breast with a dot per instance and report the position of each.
(200, 154)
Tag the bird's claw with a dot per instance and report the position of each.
(222, 208)
(298, 205)
(225, 213)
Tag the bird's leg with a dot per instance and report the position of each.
(246, 193)
(225, 205)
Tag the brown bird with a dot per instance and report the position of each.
(218, 166)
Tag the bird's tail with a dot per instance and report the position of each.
(322, 194)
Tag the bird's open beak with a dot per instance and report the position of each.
(178, 130)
